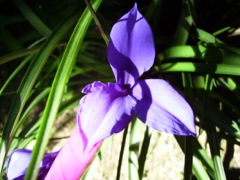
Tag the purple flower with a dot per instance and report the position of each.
(19, 160)
(108, 108)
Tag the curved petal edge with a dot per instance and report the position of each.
(131, 48)
(161, 107)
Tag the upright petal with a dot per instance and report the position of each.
(131, 47)
(72, 160)
(106, 109)
(19, 160)
(162, 108)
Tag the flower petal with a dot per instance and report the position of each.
(162, 108)
(72, 160)
(131, 47)
(19, 160)
(107, 109)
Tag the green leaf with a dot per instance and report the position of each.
(18, 54)
(144, 150)
(134, 144)
(215, 152)
(206, 37)
(185, 22)
(15, 72)
(226, 69)
(199, 170)
(120, 159)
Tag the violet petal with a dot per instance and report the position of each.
(131, 47)
(163, 108)
(19, 160)
(106, 109)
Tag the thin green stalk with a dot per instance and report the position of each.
(103, 34)
(199, 169)
(124, 138)
(188, 88)
(188, 158)
(144, 150)
(18, 54)
(33, 104)
(134, 144)
(197, 166)
(213, 139)
(15, 72)
(214, 148)
(201, 155)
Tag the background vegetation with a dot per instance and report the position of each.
(50, 49)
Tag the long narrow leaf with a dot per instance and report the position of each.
(18, 54)
(214, 147)
(144, 150)
(15, 72)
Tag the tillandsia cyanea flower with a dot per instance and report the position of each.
(108, 108)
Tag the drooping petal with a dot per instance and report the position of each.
(72, 160)
(163, 108)
(105, 110)
(19, 160)
(131, 47)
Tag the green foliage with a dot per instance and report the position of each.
(50, 49)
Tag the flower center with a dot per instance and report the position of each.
(124, 88)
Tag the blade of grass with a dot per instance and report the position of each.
(134, 144)
(33, 104)
(188, 88)
(57, 90)
(199, 170)
(15, 72)
(15, 55)
(214, 147)
(188, 163)
(214, 143)
(197, 165)
(201, 155)
(206, 37)
(144, 150)
(120, 159)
